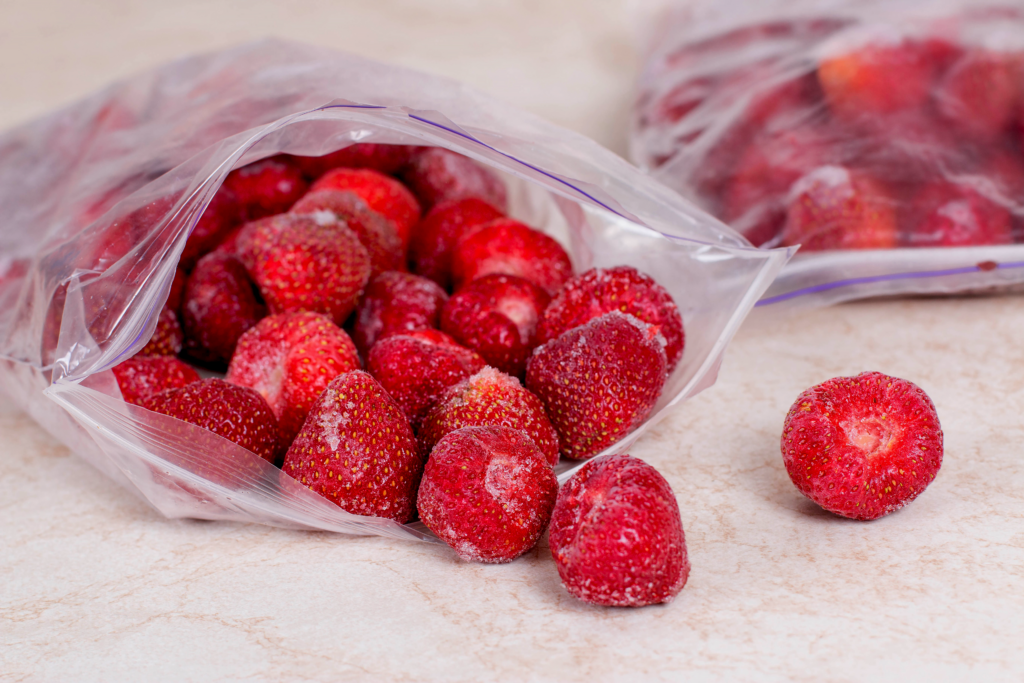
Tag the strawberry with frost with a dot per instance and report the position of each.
(383, 194)
(266, 187)
(167, 338)
(437, 175)
(441, 229)
(508, 247)
(141, 377)
(220, 304)
(396, 303)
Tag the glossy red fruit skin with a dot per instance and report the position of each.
(508, 247)
(598, 381)
(616, 535)
(300, 265)
(953, 215)
(374, 231)
(382, 193)
(979, 94)
(625, 289)
(380, 157)
(436, 175)
(222, 215)
(489, 398)
(440, 230)
(838, 208)
(488, 493)
(414, 368)
(236, 413)
(141, 377)
(220, 305)
(290, 358)
(167, 338)
(862, 447)
(396, 303)
(356, 449)
(496, 316)
(267, 187)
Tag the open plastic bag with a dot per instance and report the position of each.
(884, 137)
(100, 197)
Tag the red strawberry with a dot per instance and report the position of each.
(356, 450)
(167, 337)
(177, 292)
(439, 232)
(236, 413)
(598, 381)
(385, 195)
(267, 187)
(379, 157)
(289, 359)
(141, 377)
(375, 232)
(496, 316)
(489, 398)
(862, 446)
(616, 535)
(508, 247)
(223, 214)
(980, 92)
(417, 366)
(837, 208)
(437, 175)
(488, 493)
(396, 303)
(219, 306)
(300, 265)
(599, 291)
(954, 215)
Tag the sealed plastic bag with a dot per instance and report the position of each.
(884, 138)
(99, 199)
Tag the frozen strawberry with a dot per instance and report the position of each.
(177, 292)
(862, 446)
(289, 359)
(599, 291)
(384, 194)
(598, 381)
(396, 303)
(375, 232)
(220, 304)
(980, 92)
(834, 207)
(301, 265)
(141, 377)
(488, 493)
(380, 157)
(496, 316)
(236, 413)
(439, 232)
(491, 398)
(508, 247)
(437, 175)
(267, 187)
(167, 338)
(223, 214)
(356, 450)
(616, 535)
(417, 366)
(955, 215)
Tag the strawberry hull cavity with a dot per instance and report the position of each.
(862, 447)
(616, 535)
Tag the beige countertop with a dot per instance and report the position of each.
(98, 587)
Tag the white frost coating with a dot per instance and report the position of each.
(324, 217)
(331, 420)
(644, 328)
(960, 213)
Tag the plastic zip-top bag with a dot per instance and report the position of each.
(99, 200)
(883, 138)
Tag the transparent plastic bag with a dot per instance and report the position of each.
(100, 197)
(883, 137)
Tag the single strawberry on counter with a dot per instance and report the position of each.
(384, 194)
(598, 381)
(289, 359)
(220, 304)
(436, 175)
(141, 377)
(487, 492)
(396, 303)
(167, 338)
(417, 366)
(625, 289)
(380, 157)
(862, 446)
(617, 536)
(356, 449)
(508, 247)
(440, 230)
(489, 398)
(267, 187)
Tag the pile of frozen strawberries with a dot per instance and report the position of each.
(396, 343)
